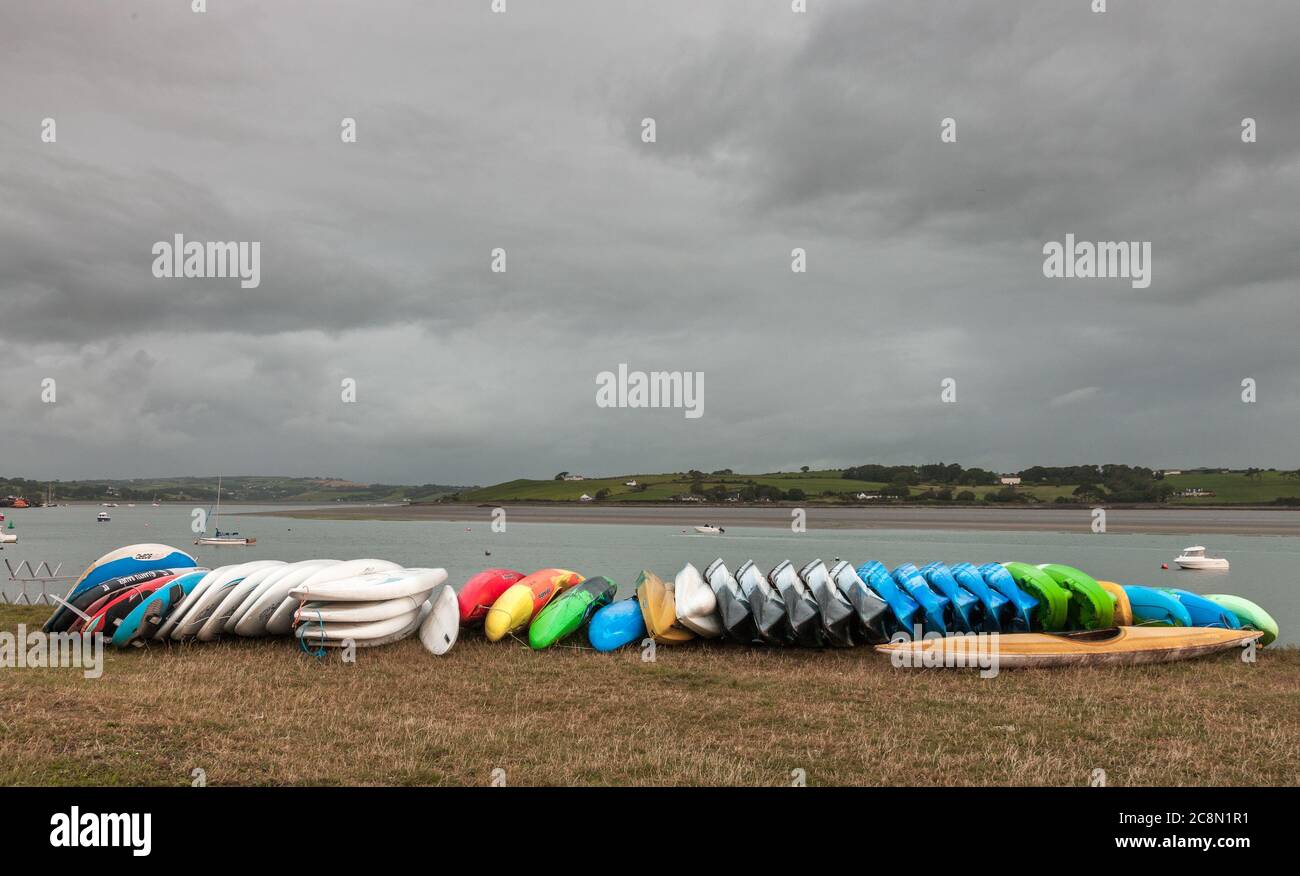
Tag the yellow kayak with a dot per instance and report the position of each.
(1123, 608)
(523, 600)
(659, 608)
(1116, 645)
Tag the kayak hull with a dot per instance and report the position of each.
(1052, 611)
(1090, 608)
(483, 589)
(837, 613)
(872, 614)
(734, 611)
(569, 611)
(616, 625)
(1249, 615)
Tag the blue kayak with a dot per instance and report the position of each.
(936, 608)
(1155, 607)
(617, 624)
(1022, 604)
(1202, 611)
(997, 608)
(967, 610)
(145, 618)
(903, 607)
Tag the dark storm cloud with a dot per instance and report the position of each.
(522, 131)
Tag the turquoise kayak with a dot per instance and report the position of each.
(967, 609)
(902, 607)
(1204, 612)
(997, 608)
(616, 625)
(1023, 605)
(937, 608)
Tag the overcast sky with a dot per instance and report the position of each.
(523, 131)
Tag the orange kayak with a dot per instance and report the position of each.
(521, 602)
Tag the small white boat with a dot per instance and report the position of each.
(223, 539)
(710, 529)
(1194, 558)
(103, 517)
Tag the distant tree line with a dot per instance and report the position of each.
(931, 473)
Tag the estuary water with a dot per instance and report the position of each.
(1264, 568)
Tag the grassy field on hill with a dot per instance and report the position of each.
(262, 712)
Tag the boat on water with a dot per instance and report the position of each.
(102, 517)
(8, 538)
(219, 538)
(1194, 558)
(709, 529)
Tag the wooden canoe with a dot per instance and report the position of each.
(1114, 646)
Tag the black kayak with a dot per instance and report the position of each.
(872, 613)
(733, 608)
(766, 604)
(835, 609)
(800, 606)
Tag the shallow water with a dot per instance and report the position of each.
(1263, 567)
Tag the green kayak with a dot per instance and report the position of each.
(1053, 607)
(1252, 617)
(1091, 607)
(569, 611)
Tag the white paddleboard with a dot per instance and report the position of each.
(178, 612)
(372, 587)
(211, 598)
(281, 620)
(312, 630)
(250, 599)
(263, 601)
(382, 640)
(438, 631)
(216, 623)
(359, 612)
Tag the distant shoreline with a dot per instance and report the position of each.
(1171, 521)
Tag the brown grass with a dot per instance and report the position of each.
(265, 713)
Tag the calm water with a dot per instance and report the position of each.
(1264, 568)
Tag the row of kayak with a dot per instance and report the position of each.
(838, 606)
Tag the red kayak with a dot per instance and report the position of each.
(483, 589)
(108, 611)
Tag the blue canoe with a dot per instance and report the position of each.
(1022, 604)
(997, 608)
(1155, 607)
(936, 608)
(617, 624)
(968, 612)
(903, 607)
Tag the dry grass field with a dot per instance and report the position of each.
(264, 712)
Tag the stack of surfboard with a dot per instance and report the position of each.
(155, 592)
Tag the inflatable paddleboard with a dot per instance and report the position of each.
(1115, 646)
(441, 627)
(124, 561)
(483, 589)
(833, 607)
(1249, 615)
(696, 604)
(616, 625)
(569, 611)
(872, 613)
(733, 607)
(521, 602)
(1155, 607)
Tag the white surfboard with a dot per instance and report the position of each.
(281, 620)
(359, 612)
(263, 601)
(438, 631)
(371, 587)
(177, 614)
(312, 630)
(215, 625)
(211, 598)
(420, 616)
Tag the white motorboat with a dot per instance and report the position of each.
(1194, 558)
(710, 529)
(102, 517)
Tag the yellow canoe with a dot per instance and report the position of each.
(1116, 645)
(1123, 609)
(659, 609)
